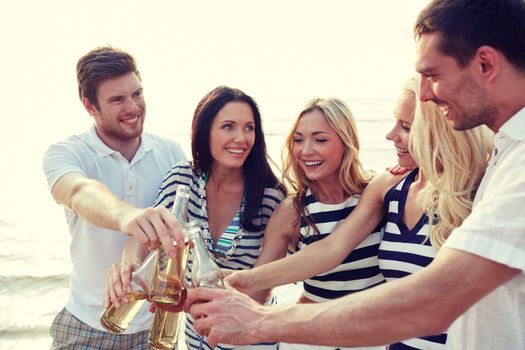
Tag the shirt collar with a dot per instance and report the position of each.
(515, 126)
(146, 144)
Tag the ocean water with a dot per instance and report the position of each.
(34, 254)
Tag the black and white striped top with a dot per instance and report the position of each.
(358, 271)
(404, 251)
(248, 244)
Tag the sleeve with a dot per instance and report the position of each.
(271, 199)
(59, 160)
(180, 174)
(495, 229)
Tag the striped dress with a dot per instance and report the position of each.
(404, 251)
(358, 271)
(244, 247)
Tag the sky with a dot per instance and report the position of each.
(280, 52)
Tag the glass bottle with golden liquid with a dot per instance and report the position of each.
(204, 271)
(166, 284)
(116, 320)
(167, 287)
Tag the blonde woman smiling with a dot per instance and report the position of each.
(421, 208)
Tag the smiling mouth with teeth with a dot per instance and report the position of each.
(235, 150)
(400, 150)
(313, 163)
(130, 120)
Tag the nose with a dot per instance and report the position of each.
(392, 135)
(425, 90)
(239, 136)
(131, 106)
(307, 147)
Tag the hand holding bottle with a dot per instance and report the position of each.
(117, 316)
(118, 283)
(152, 227)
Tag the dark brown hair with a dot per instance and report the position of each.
(465, 25)
(99, 64)
(256, 168)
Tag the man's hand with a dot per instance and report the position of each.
(230, 316)
(151, 227)
(118, 283)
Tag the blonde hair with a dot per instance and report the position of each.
(453, 163)
(352, 176)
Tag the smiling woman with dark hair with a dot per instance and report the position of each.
(233, 190)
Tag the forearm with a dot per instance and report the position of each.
(376, 317)
(424, 303)
(319, 257)
(94, 202)
(296, 267)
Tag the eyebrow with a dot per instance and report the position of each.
(234, 122)
(425, 70)
(114, 97)
(110, 98)
(314, 133)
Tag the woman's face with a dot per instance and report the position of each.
(317, 148)
(400, 133)
(232, 135)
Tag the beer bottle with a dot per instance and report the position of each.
(168, 284)
(116, 320)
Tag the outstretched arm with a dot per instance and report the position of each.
(409, 307)
(97, 204)
(325, 254)
(281, 231)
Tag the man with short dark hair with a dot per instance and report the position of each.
(471, 57)
(102, 177)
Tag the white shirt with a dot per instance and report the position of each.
(495, 230)
(94, 249)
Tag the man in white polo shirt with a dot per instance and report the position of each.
(102, 177)
(471, 57)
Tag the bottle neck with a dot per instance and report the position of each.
(201, 252)
(180, 207)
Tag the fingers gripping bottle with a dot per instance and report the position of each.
(116, 320)
(168, 283)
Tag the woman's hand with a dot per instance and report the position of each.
(398, 169)
(243, 281)
(118, 283)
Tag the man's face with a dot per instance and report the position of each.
(464, 103)
(121, 110)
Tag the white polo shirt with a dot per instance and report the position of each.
(495, 230)
(94, 249)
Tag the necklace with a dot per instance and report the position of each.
(223, 250)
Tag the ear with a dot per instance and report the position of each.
(489, 62)
(90, 108)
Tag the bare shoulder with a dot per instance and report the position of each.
(286, 208)
(285, 219)
(383, 182)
